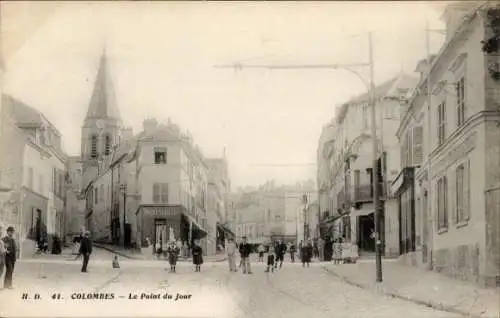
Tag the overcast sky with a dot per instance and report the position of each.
(162, 57)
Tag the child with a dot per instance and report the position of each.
(115, 262)
(261, 250)
(270, 259)
(197, 256)
(173, 253)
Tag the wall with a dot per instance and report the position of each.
(164, 173)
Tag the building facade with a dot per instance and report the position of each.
(33, 175)
(448, 185)
(346, 152)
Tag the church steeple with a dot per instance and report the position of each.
(103, 101)
(102, 126)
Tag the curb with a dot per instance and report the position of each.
(429, 304)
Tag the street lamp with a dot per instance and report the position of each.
(123, 188)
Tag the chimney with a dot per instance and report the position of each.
(149, 124)
(423, 66)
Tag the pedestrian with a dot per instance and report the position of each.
(85, 250)
(301, 243)
(197, 252)
(280, 253)
(328, 249)
(10, 256)
(270, 259)
(245, 251)
(173, 253)
(321, 249)
(261, 251)
(307, 253)
(2, 252)
(231, 255)
(115, 262)
(292, 250)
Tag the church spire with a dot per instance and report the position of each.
(103, 102)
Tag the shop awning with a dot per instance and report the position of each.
(226, 229)
(196, 226)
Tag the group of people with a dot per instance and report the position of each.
(8, 255)
(275, 254)
(173, 252)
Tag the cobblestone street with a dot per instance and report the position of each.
(290, 292)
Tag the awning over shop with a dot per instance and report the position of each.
(226, 230)
(201, 232)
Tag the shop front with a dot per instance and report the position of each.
(160, 224)
(403, 188)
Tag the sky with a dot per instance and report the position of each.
(162, 58)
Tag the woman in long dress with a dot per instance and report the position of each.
(197, 256)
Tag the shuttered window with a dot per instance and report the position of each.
(460, 90)
(441, 123)
(442, 203)
(462, 193)
(107, 144)
(160, 193)
(93, 144)
(417, 146)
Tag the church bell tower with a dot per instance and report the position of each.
(102, 125)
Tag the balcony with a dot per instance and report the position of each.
(363, 193)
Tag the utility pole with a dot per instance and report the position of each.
(376, 194)
(370, 86)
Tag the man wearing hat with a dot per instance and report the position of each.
(10, 256)
(85, 250)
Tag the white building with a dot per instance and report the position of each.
(449, 185)
(32, 167)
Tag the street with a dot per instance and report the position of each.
(292, 291)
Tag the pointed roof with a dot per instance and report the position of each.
(103, 101)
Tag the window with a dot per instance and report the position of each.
(102, 193)
(160, 155)
(160, 193)
(462, 192)
(417, 148)
(365, 117)
(357, 180)
(40, 185)
(93, 145)
(442, 203)
(460, 90)
(107, 145)
(54, 180)
(96, 196)
(441, 117)
(30, 178)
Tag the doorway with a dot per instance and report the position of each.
(366, 230)
(160, 234)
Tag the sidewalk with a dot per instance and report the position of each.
(147, 255)
(423, 287)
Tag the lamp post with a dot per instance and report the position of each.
(123, 188)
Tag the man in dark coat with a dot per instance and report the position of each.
(245, 250)
(280, 251)
(85, 250)
(10, 256)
